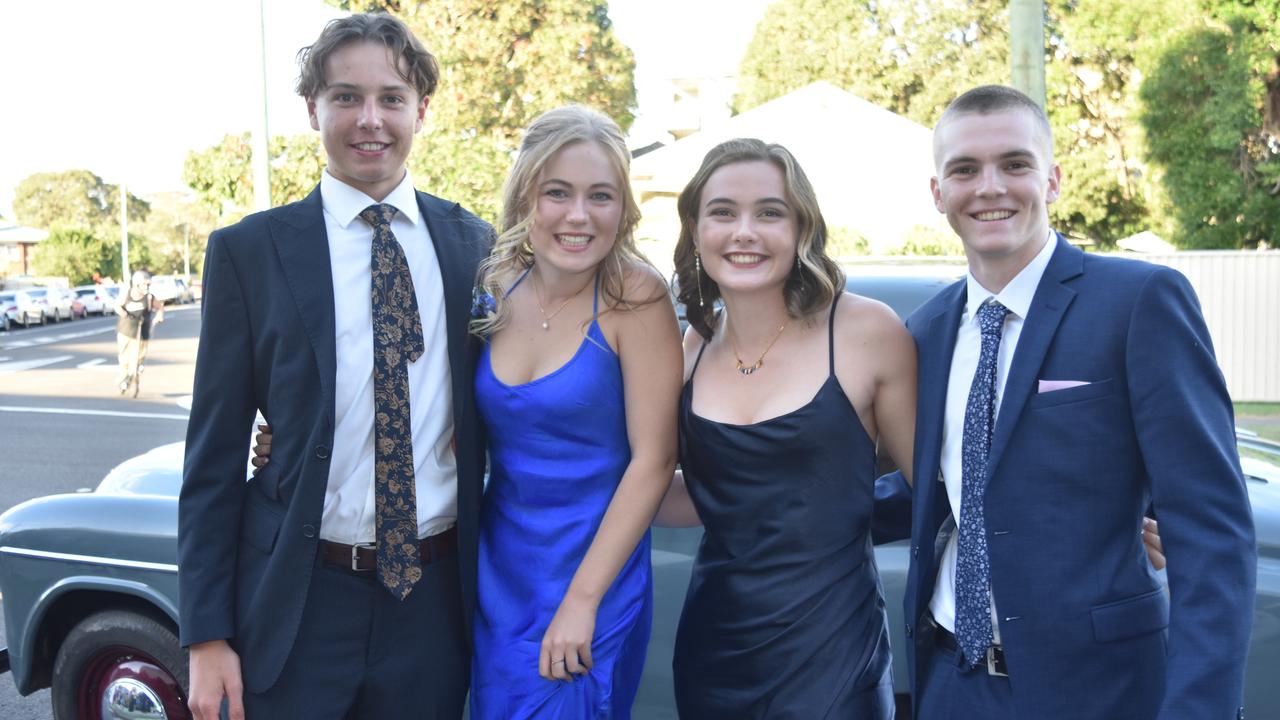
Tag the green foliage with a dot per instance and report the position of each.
(76, 253)
(222, 175)
(1202, 113)
(72, 198)
(845, 242)
(910, 57)
(502, 65)
(925, 240)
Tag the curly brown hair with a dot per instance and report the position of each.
(419, 67)
(815, 279)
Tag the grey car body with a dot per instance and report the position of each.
(109, 557)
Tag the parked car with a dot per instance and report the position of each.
(21, 308)
(95, 298)
(89, 583)
(8, 310)
(52, 302)
(170, 289)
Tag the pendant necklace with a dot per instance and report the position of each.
(744, 368)
(546, 319)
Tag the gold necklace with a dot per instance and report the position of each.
(546, 319)
(749, 369)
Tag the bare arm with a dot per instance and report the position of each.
(649, 352)
(677, 510)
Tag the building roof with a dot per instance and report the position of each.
(870, 167)
(13, 234)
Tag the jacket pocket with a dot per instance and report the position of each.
(1131, 617)
(260, 522)
(1079, 393)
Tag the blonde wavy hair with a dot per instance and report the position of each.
(512, 253)
(814, 279)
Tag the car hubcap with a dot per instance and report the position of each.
(122, 682)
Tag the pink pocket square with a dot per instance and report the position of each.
(1051, 385)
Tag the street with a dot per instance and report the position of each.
(63, 423)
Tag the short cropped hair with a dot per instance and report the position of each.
(419, 67)
(988, 99)
(815, 278)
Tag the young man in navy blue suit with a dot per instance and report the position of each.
(338, 582)
(1061, 396)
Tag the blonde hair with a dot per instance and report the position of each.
(511, 254)
(815, 278)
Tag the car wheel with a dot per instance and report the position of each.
(119, 663)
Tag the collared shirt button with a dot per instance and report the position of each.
(322, 452)
(909, 631)
(308, 531)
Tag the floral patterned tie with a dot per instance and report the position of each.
(973, 571)
(397, 341)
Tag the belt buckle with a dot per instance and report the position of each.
(995, 662)
(355, 556)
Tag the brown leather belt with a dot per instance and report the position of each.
(363, 558)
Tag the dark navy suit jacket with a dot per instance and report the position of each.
(1087, 628)
(246, 549)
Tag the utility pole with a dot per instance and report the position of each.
(261, 161)
(124, 235)
(1026, 47)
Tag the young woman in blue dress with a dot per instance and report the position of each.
(577, 386)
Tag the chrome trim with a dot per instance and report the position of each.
(91, 559)
(129, 699)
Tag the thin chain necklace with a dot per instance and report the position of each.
(744, 368)
(546, 319)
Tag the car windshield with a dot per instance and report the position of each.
(85, 293)
(8, 297)
(37, 294)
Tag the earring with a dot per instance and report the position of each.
(697, 268)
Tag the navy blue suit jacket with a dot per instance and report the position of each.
(1088, 630)
(246, 549)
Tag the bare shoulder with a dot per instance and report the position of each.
(866, 326)
(642, 284)
(693, 343)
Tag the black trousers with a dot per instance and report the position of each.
(361, 653)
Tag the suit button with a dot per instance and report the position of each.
(908, 631)
(322, 452)
(915, 551)
(308, 531)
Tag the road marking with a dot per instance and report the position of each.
(58, 338)
(100, 413)
(90, 363)
(19, 366)
(184, 402)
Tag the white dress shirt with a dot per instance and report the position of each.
(348, 515)
(1016, 296)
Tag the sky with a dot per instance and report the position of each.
(126, 89)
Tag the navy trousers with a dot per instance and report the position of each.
(361, 653)
(950, 691)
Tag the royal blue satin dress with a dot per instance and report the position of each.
(557, 449)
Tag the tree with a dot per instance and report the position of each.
(502, 65)
(222, 174)
(76, 254)
(906, 56)
(72, 198)
(1203, 113)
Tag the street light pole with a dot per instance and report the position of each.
(1026, 47)
(261, 161)
(124, 234)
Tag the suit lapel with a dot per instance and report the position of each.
(936, 347)
(1047, 308)
(457, 279)
(301, 242)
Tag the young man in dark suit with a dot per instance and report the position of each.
(1061, 395)
(339, 582)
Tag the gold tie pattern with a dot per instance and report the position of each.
(397, 341)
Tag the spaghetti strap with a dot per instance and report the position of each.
(595, 297)
(831, 336)
(698, 359)
(519, 280)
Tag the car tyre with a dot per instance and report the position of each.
(122, 654)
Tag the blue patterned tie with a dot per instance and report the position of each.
(397, 341)
(973, 576)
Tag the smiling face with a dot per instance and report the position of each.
(578, 208)
(367, 115)
(996, 178)
(746, 230)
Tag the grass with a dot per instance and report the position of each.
(1262, 418)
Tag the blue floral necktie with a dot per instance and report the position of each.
(973, 572)
(397, 341)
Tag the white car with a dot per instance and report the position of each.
(55, 305)
(96, 299)
(170, 289)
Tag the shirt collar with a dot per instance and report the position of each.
(345, 203)
(1016, 295)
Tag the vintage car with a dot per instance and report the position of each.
(89, 583)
